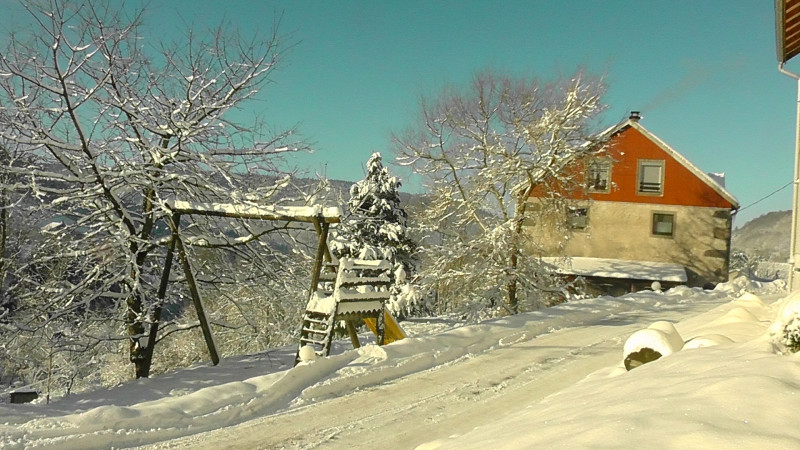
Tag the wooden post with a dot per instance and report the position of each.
(321, 219)
(380, 327)
(351, 331)
(162, 292)
(322, 247)
(326, 250)
(198, 304)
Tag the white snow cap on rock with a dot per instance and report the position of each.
(661, 337)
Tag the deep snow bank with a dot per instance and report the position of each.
(732, 389)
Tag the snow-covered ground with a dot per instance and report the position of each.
(552, 378)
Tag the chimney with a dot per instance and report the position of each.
(635, 116)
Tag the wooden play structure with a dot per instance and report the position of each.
(349, 290)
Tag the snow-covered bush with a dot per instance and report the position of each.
(785, 330)
(742, 285)
(744, 264)
(56, 361)
(252, 319)
(790, 337)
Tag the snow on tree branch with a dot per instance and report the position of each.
(112, 132)
(479, 149)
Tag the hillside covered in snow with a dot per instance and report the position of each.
(551, 378)
(766, 236)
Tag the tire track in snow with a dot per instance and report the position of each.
(436, 403)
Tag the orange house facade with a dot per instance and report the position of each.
(644, 213)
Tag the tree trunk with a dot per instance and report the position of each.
(133, 318)
(3, 236)
(141, 355)
(513, 301)
(513, 283)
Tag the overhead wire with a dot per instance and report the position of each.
(766, 196)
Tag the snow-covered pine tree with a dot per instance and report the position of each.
(375, 227)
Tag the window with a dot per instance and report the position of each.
(576, 218)
(651, 177)
(663, 224)
(598, 176)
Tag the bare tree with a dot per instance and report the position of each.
(481, 150)
(16, 210)
(123, 128)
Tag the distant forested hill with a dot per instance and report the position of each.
(766, 236)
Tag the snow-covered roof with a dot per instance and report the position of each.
(709, 180)
(266, 212)
(362, 307)
(618, 268)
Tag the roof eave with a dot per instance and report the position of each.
(779, 31)
(787, 29)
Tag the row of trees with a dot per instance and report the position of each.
(99, 132)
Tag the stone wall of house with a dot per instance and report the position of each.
(700, 240)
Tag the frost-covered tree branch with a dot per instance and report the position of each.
(480, 150)
(113, 132)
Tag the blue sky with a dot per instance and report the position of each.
(703, 73)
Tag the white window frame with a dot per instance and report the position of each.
(649, 188)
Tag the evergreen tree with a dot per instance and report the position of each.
(375, 227)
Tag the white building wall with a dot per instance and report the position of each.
(700, 241)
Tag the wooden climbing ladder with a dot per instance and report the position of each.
(351, 291)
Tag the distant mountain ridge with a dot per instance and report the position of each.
(767, 236)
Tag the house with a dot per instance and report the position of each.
(643, 213)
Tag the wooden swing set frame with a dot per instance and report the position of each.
(321, 217)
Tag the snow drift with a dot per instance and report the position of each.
(735, 393)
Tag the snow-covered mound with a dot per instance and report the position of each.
(727, 388)
(785, 331)
(657, 340)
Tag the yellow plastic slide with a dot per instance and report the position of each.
(393, 330)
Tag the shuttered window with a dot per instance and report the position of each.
(651, 177)
(576, 218)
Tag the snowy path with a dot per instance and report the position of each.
(435, 403)
(453, 398)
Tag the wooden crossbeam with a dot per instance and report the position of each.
(266, 212)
